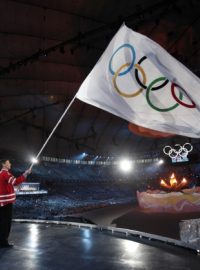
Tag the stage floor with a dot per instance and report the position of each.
(133, 217)
(50, 246)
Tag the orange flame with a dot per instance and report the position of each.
(184, 181)
(173, 183)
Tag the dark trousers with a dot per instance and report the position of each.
(5, 222)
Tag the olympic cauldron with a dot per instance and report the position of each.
(173, 184)
(177, 200)
(175, 197)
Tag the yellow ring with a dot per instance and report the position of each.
(115, 83)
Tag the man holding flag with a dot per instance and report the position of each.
(7, 198)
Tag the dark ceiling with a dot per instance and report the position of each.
(48, 47)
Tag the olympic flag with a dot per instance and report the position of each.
(136, 79)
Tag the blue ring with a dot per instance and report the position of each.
(131, 65)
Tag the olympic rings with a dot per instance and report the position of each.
(143, 85)
(164, 149)
(180, 102)
(173, 154)
(191, 147)
(152, 105)
(122, 93)
(131, 64)
(150, 87)
(178, 150)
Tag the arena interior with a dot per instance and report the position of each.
(102, 195)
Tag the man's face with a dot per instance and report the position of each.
(7, 165)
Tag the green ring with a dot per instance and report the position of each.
(152, 105)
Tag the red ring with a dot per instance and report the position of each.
(193, 105)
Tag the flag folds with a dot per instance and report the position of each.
(136, 79)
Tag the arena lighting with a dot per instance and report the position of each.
(161, 161)
(95, 158)
(84, 155)
(125, 165)
(34, 160)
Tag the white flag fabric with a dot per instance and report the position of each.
(136, 79)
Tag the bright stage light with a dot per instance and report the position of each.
(125, 165)
(34, 160)
(161, 161)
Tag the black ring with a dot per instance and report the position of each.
(141, 84)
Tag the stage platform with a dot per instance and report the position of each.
(41, 246)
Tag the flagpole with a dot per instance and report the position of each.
(52, 132)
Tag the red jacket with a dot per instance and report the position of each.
(7, 181)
